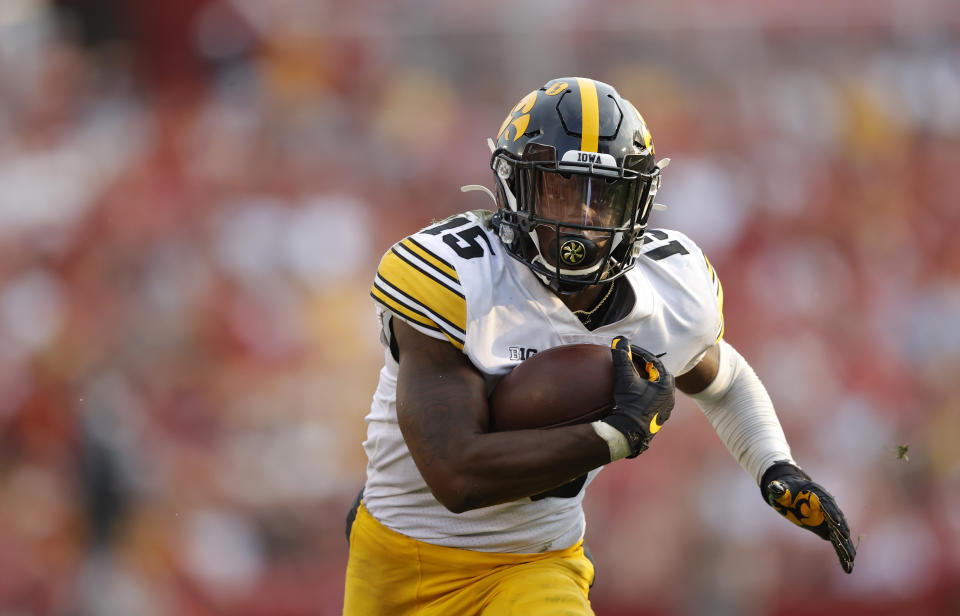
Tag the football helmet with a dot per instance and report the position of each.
(575, 181)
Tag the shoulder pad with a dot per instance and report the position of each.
(418, 281)
(662, 244)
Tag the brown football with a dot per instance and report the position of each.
(565, 385)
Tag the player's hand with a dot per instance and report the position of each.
(642, 402)
(807, 504)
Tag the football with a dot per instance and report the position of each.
(565, 385)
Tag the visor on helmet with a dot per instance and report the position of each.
(576, 199)
(574, 220)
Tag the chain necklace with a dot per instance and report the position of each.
(589, 313)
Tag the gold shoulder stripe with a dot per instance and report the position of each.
(590, 114)
(432, 259)
(400, 296)
(428, 291)
(377, 294)
(453, 286)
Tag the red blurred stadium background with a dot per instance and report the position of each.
(193, 198)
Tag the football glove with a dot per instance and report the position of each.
(642, 402)
(807, 504)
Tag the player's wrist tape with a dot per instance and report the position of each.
(616, 441)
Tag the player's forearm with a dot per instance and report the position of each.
(740, 410)
(443, 413)
(503, 466)
(469, 471)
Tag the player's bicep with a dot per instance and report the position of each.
(702, 374)
(441, 401)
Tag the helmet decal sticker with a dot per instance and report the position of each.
(572, 252)
(557, 88)
(576, 156)
(521, 121)
(647, 137)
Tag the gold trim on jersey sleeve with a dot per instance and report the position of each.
(713, 274)
(720, 305)
(430, 258)
(718, 288)
(378, 294)
(418, 286)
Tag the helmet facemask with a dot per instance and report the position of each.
(575, 223)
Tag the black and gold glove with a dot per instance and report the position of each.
(807, 504)
(643, 400)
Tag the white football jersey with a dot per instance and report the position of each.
(455, 281)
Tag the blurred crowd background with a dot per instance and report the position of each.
(194, 195)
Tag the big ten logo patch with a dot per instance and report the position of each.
(520, 353)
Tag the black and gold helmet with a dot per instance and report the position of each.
(575, 182)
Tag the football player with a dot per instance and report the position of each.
(455, 519)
